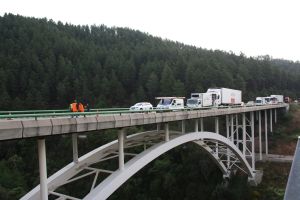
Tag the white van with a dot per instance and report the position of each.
(263, 100)
(172, 103)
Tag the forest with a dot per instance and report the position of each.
(46, 65)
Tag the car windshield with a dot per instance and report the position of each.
(138, 104)
(258, 101)
(165, 102)
(192, 101)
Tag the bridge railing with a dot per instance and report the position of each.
(102, 111)
(54, 111)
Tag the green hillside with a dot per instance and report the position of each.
(44, 64)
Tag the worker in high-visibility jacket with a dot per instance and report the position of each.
(80, 107)
(73, 106)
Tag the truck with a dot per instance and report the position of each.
(199, 100)
(278, 97)
(260, 100)
(273, 99)
(172, 103)
(225, 96)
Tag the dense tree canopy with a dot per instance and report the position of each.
(44, 64)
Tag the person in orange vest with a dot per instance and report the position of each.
(80, 107)
(73, 106)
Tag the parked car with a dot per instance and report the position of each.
(142, 106)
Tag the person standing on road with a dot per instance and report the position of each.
(80, 107)
(73, 106)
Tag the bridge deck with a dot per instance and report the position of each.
(64, 123)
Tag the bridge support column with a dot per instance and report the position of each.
(232, 128)
(271, 121)
(43, 169)
(275, 112)
(158, 127)
(201, 124)
(259, 135)
(75, 147)
(167, 132)
(256, 116)
(227, 127)
(266, 132)
(244, 133)
(227, 135)
(252, 140)
(217, 131)
(237, 129)
(183, 126)
(196, 125)
(121, 136)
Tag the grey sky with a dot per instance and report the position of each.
(254, 27)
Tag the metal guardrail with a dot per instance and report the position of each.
(56, 111)
(92, 112)
(103, 111)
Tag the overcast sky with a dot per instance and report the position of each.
(254, 27)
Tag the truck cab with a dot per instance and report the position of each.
(267, 100)
(260, 101)
(216, 96)
(172, 103)
(199, 100)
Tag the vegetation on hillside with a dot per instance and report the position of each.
(44, 64)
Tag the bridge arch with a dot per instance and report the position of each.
(117, 178)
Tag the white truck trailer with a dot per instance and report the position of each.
(199, 100)
(278, 97)
(172, 103)
(225, 96)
